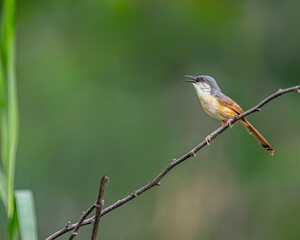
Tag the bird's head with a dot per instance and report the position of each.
(204, 83)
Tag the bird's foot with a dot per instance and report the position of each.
(208, 140)
(229, 123)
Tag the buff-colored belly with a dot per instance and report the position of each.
(214, 109)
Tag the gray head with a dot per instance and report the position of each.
(204, 84)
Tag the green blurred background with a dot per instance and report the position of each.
(101, 91)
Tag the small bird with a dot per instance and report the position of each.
(217, 105)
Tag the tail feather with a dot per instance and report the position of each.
(258, 136)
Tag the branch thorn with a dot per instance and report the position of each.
(68, 224)
(193, 154)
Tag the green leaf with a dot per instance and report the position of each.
(26, 215)
(3, 188)
(13, 226)
(23, 219)
(8, 100)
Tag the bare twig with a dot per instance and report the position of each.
(79, 224)
(87, 212)
(99, 205)
(174, 162)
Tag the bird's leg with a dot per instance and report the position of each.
(207, 139)
(229, 123)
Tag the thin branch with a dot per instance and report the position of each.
(192, 153)
(88, 211)
(99, 205)
(79, 224)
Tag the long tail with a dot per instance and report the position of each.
(258, 136)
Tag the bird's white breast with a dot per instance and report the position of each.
(209, 102)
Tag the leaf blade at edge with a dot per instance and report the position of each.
(26, 214)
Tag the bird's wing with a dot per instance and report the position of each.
(227, 102)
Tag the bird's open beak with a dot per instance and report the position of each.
(193, 79)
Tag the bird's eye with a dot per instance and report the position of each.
(202, 79)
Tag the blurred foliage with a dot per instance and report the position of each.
(101, 92)
(19, 206)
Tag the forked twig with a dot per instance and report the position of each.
(89, 210)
